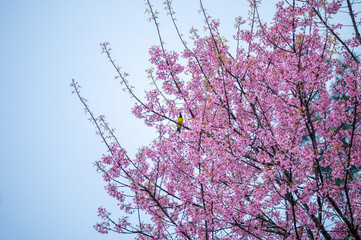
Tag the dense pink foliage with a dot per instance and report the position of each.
(270, 146)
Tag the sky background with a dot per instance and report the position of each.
(49, 188)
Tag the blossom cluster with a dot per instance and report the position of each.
(270, 144)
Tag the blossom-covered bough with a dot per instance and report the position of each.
(270, 145)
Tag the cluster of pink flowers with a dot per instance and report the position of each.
(270, 143)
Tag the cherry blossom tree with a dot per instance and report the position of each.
(270, 143)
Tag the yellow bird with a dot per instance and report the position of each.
(179, 122)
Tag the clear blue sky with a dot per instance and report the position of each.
(49, 188)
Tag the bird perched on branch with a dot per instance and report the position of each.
(179, 122)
